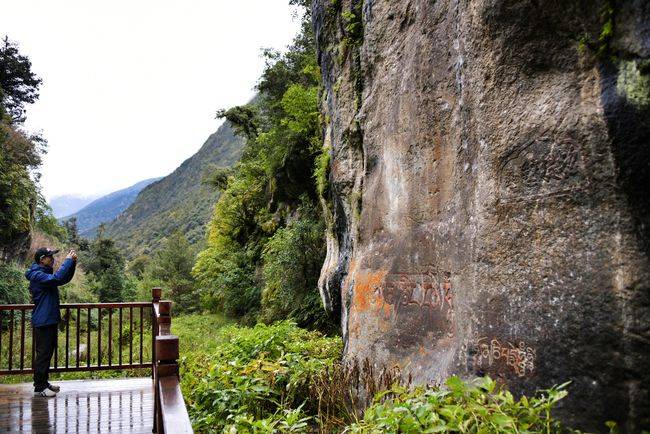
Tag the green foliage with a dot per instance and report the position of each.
(292, 260)
(217, 177)
(280, 378)
(72, 230)
(232, 288)
(321, 171)
(104, 264)
(172, 265)
(13, 285)
(20, 153)
(18, 84)
(607, 30)
(266, 220)
(473, 407)
(19, 156)
(633, 82)
(138, 266)
(352, 28)
(47, 223)
(257, 378)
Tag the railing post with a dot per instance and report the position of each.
(155, 299)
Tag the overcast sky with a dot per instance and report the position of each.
(130, 87)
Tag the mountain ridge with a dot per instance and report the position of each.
(106, 208)
(178, 201)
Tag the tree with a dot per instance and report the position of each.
(172, 264)
(105, 267)
(73, 232)
(292, 260)
(46, 222)
(20, 156)
(20, 153)
(265, 242)
(138, 266)
(18, 84)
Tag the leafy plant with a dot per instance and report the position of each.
(13, 285)
(292, 259)
(468, 407)
(255, 374)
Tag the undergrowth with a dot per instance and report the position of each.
(280, 378)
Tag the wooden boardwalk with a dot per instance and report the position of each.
(82, 406)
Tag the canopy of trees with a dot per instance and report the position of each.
(20, 155)
(266, 243)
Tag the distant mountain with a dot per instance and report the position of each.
(178, 201)
(69, 204)
(106, 208)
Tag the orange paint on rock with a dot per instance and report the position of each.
(366, 294)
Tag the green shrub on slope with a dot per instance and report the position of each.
(256, 373)
(474, 407)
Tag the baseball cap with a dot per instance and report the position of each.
(43, 252)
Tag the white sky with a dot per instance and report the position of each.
(130, 87)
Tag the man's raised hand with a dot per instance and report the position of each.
(72, 255)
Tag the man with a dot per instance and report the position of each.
(44, 286)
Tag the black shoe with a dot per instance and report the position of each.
(53, 388)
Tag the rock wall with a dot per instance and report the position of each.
(488, 204)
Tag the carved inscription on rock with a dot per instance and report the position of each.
(421, 290)
(519, 358)
(421, 301)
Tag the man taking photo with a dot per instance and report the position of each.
(44, 287)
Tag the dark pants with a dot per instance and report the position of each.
(44, 342)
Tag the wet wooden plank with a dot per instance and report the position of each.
(117, 405)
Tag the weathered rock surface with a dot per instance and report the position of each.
(489, 203)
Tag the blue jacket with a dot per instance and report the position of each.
(44, 286)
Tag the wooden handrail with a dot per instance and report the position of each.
(173, 406)
(80, 305)
(170, 413)
(16, 357)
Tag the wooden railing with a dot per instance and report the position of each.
(169, 407)
(92, 336)
(103, 336)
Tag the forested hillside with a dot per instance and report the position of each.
(179, 201)
(106, 208)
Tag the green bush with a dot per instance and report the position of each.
(473, 407)
(13, 285)
(281, 378)
(257, 376)
(292, 260)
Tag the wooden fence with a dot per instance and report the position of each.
(105, 336)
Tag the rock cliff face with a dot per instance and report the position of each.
(488, 201)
